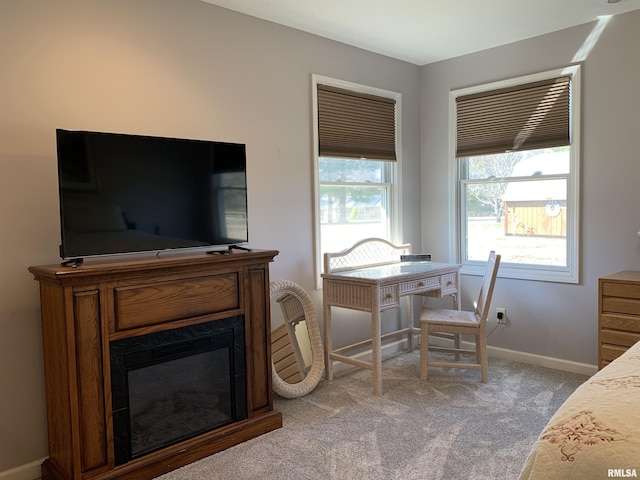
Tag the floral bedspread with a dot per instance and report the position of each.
(595, 434)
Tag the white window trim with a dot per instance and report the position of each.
(395, 181)
(568, 274)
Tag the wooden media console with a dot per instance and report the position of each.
(84, 309)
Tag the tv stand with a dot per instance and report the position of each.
(229, 250)
(87, 307)
(72, 262)
(238, 247)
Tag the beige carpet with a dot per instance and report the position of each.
(450, 427)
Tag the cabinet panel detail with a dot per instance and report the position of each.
(175, 300)
(260, 341)
(93, 429)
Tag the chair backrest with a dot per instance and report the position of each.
(486, 290)
(366, 253)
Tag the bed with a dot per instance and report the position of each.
(595, 434)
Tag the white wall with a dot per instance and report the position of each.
(179, 68)
(552, 319)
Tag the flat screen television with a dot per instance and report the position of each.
(123, 194)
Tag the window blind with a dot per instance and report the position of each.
(529, 116)
(355, 125)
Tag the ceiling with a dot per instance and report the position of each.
(426, 31)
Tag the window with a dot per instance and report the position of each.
(517, 169)
(356, 165)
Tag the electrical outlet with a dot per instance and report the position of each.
(501, 315)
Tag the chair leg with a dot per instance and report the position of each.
(424, 351)
(456, 345)
(481, 351)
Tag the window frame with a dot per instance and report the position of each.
(392, 169)
(457, 234)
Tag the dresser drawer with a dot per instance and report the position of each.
(609, 353)
(620, 305)
(623, 290)
(628, 323)
(619, 314)
(619, 337)
(143, 305)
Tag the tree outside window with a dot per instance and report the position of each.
(516, 203)
(353, 201)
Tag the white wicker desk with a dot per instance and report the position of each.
(376, 289)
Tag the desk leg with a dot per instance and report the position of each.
(456, 296)
(328, 344)
(376, 343)
(456, 306)
(409, 314)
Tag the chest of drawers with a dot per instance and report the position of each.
(618, 314)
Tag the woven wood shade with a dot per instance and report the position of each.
(531, 116)
(355, 125)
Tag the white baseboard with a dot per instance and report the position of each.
(542, 361)
(29, 471)
(397, 346)
(531, 358)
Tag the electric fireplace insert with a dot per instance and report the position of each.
(173, 385)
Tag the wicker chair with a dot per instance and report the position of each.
(456, 322)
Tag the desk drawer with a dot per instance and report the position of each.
(420, 285)
(449, 283)
(389, 296)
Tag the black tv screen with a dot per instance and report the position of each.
(124, 193)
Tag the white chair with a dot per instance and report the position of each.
(457, 322)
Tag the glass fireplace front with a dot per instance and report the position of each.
(173, 385)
